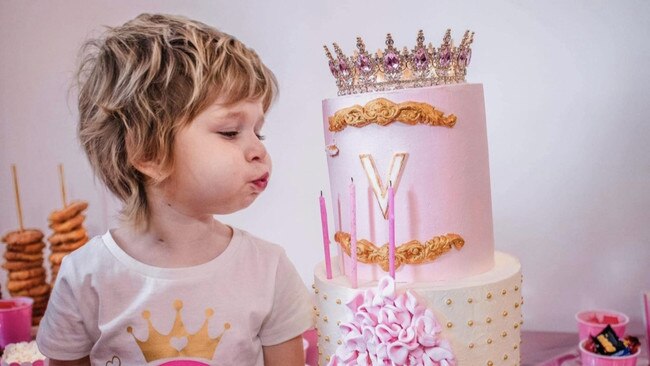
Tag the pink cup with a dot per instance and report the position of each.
(15, 320)
(592, 322)
(593, 359)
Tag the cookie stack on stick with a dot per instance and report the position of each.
(67, 224)
(24, 262)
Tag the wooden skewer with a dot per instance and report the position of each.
(62, 181)
(18, 205)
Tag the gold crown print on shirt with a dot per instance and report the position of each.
(178, 342)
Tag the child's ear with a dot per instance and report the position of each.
(150, 168)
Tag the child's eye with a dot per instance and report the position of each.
(233, 134)
(229, 134)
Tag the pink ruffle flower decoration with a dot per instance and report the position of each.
(391, 330)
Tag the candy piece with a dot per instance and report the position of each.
(610, 319)
(607, 342)
(632, 343)
(600, 318)
(589, 345)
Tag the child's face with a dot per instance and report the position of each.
(220, 163)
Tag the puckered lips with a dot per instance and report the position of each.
(261, 182)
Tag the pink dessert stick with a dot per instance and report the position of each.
(391, 230)
(326, 236)
(353, 233)
(646, 305)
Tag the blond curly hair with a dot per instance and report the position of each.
(141, 82)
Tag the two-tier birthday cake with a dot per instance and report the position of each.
(407, 154)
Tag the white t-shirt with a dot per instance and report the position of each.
(123, 312)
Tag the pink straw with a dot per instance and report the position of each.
(353, 233)
(391, 230)
(646, 302)
(326, 236)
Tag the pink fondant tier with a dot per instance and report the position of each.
(444, 187)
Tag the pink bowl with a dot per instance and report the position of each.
(587, 325)
(15, 320)
(593, 359)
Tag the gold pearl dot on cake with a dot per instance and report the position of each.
(490, 363)
(489, 295)
(471, 345)
(320, 352)
(505, 357)
(504, 334)
(324, 296)
(325, 319)
(488, 320)
(338, 322)
(521, 322)
(516, 305)
(338, 301)
(489, 341)
(318, 332)
(327, 358)
(449, 325)
(503, 292)
(470, 323)
(313, 285)
(470, 300)
(317, 313)
(316, 290)
(339, 342)
(516, 325)
(516, 288)
(327, 338)
(505, 313)
(315, 308)
(448, 302)
(516, 346)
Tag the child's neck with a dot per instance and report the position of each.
(174, 238)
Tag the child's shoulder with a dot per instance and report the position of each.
(91, 248)
(258, 245)
(89, 255)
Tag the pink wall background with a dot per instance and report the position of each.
(566, 91)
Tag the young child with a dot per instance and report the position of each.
(170, 114)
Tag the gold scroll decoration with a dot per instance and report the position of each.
(412, 252)
(384, 112)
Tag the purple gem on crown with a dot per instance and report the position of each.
(445, 57)
(465, 54)
(421, 59)
(391, 61)
(343, 68)
(464, 57)
(363, 64)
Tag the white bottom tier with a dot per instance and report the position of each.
(480, 315)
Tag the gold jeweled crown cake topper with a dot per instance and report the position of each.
(393, 69)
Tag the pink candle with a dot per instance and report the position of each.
(646, 305)
(391, 231)
(326, 236)
(353, 233)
